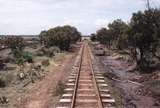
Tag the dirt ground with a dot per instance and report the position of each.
(128, 93)
(129, 90)
(42, 93)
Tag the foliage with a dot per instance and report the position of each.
(50, 52)
(117, 30)
(142, 35)
(16, 44)
(19, 60)
(93, 37)
(25, 57)
(2, 82)
(44, 38)
(60, 36)
(2, 64)
(28, 57)
(115, 35)
(102, 35)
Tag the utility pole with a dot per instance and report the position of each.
(148, 4)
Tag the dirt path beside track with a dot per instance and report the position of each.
(42, 95)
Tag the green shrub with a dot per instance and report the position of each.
(28, 57)
(16, 44)
(2, 82)
(25, 57)
(19, 61)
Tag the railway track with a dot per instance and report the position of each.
(86, 87)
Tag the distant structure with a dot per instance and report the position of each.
(85, 37)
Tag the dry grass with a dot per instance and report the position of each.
(154, 87)
(59, 89)
(116, 93)
(59, 56)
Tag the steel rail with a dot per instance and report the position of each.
(77, 79)
(100, 105)
(77, 94)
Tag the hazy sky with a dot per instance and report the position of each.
(32, 16)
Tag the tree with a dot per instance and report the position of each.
(117, 31)
(142, 34)
(73, 32)
(145, 29)
(116, 34)
(93, 37)
(60, 36)
(43, 38)
(103, 36)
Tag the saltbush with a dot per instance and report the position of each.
(28, 57)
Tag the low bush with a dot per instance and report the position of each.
(28, 57)
(60, 88)
(39, 53)
(45, 62)
(5, 80)
(52, 51)
(56, 49)
(16, 44)
(49, 52)
(2, 65)
(25, 57)
(8, 59)
(19, 61)
(2, 82)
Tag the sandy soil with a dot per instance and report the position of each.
(127, 94)
(42, 95)
(129, 91)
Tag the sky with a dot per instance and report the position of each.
(28, 17)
